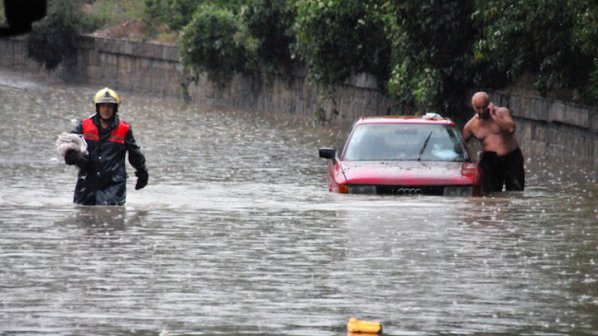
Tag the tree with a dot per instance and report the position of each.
(270, 23)
(585, 35)
(216, 42)
(432, 54)
(425, 54)
(338, 38)
(532, 37)
(179, 13)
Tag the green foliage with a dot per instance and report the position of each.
(178, 13)
(269, 22)
(431, 54)
(530, 36)
(585, 24)
(337, 38)
(216, 42)
(225, 37)
(54, 39)
(108, 13)
(585, 35)
(154, 10)
(153, 15)
(425, 53)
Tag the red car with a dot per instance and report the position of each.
(403, 155)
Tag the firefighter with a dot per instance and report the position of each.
(102, 172)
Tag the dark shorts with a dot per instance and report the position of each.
(502, 170)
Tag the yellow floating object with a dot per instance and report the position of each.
(363, 327)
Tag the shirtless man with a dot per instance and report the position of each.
(501, 160)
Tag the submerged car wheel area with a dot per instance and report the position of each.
(403, 155)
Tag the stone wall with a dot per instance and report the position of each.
(155, 69)
(544, 126)
(553, 127)
(128, 65)
(294, 97)
(13, 55)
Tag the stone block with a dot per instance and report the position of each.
(362, 80)
(528, 107)
(128, 48)
(570, 115)
(593, 121)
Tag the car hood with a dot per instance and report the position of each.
(408, 173)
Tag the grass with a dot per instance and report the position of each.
(107, 14)
(102, 14)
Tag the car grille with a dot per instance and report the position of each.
(398, 190)
(409, 190)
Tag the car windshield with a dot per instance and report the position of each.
(393, 142)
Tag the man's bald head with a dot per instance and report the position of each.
(480, 98)
(479, 103)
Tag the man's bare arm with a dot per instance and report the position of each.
(502, 116)
(467, 134)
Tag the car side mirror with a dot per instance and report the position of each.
(328, 153)
(20, 14)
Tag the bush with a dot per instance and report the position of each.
(338, 38)
(216, 42)
(431, 54)
(585, 35)
(54, 39)
(520, 37)
(270, 23)
(178, 13)
(425, 53)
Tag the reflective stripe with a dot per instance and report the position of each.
(90, 131)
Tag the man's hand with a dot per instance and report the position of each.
(142, 177)
(502, 117)
(74, 157)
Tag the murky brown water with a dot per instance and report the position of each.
(236, 234)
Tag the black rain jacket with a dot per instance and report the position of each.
(103, 180)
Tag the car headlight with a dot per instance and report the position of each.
(362, 189)
(458, 191)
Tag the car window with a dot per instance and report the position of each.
(375, 142)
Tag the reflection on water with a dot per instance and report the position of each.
(237, 234)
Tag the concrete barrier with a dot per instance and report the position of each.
(553, 127)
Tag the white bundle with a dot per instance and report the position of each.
(68, 141)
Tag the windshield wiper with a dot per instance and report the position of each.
(421, 151)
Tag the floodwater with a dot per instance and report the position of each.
(236, 234)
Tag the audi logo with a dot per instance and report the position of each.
(409, 191)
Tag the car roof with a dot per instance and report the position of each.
(428, 118)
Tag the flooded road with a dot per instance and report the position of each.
(236, 234)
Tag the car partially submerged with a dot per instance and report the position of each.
(405, 155)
